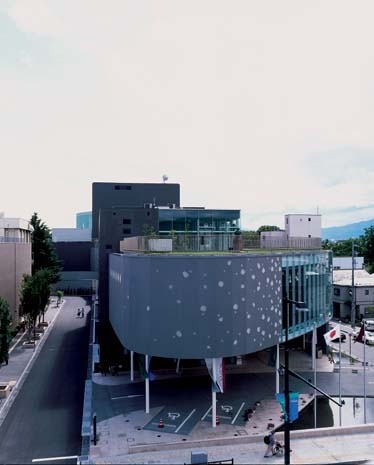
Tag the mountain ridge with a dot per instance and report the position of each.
(346, 231)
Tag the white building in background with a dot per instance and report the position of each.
(303, 225)
(15, 260)
(300, 231)
(345, 263)
(14, 229)
(363, 295)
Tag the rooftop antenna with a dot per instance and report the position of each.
(164, 178)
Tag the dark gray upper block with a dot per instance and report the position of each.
(120, 195)
(196, 306)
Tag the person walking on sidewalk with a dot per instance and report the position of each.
(79, 313)
(269, 441)
(82, 312)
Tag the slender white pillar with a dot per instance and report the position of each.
(340, 378)
(214, 406)
(365, 372)
(147, 384)
(178, 364)
(277, 371)
(314, 365)
(132, 365)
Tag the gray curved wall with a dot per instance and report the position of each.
(196, 306)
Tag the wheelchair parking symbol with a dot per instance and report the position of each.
(226, 408)
(173, 415)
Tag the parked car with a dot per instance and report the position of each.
(369, 336)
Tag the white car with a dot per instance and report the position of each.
(369, 337)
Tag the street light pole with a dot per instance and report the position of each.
(353, 303)
(287, 448)
(287, 424)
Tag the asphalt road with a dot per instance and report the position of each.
(45, 418)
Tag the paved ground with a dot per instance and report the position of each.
(44, 420)
(124, 435)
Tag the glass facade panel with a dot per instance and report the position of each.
(192, 221)
(307, 277)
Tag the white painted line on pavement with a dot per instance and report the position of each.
(47, 459)
(16, 343)
(131, 396)
(183, 422)
(237, 414)
(206, 413)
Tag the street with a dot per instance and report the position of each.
(45, 418)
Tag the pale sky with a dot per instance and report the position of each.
(261, 105)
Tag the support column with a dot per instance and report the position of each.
(147, 384)
(132, 365)
(214, 394)
(277, 371)
(314, 366)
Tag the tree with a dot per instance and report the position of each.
(43, 251)
(267, 228)
(5, 337)
(367, 248)
(35, 293)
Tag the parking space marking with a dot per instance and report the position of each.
(206, 413)
(187, 418)
(237, 414)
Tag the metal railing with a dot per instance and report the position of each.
(214, 242)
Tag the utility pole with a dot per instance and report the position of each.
(353, 303)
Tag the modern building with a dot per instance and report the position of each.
(221, 305)
(15, 260)
(126, 210)
(83, 220)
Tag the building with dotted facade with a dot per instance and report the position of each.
(196, 306)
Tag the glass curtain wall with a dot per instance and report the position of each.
(193, 221)
(307, 277)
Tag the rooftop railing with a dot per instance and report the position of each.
(216, 242)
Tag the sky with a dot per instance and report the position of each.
(265, 106)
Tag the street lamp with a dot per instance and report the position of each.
(302, 307)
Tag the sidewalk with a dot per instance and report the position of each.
(21, 360)
(122, 438)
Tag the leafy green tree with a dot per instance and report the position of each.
(29, 302)
(43, 251)
(267, 228)
(341, 248)
(35, 294)
(367, 248)
(5, 337)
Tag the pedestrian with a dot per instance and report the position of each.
(82, 312)
(79, 313)
(269, 441)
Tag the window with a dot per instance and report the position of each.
(336, 291)
(122, 188)
(126, 231)
(366, 291)
(126, 221)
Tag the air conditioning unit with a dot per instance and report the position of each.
(172, 205)
(148, 205)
